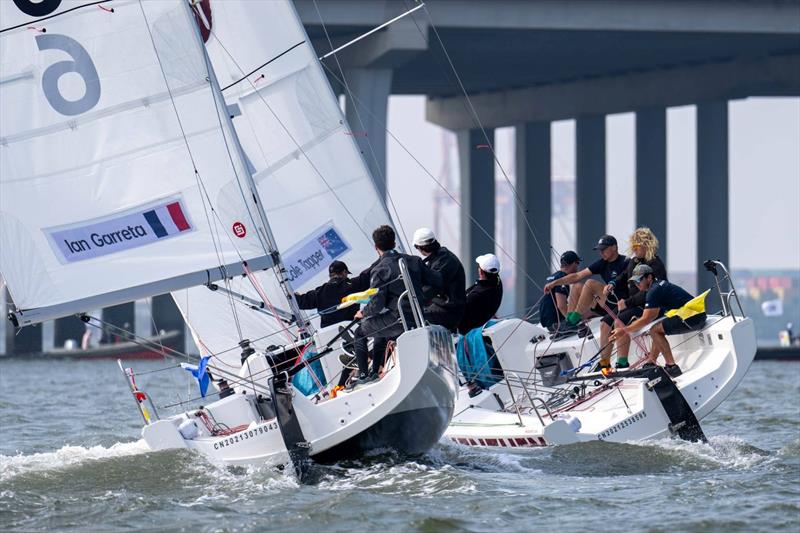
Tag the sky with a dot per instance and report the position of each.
(764, 166)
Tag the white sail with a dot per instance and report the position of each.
(112, 156)
(321, 201)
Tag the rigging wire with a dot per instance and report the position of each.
(198, 178)
(440, 185)
(36, 21)
(293, 139)
(521, 208)
(382, 173)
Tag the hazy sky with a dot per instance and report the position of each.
(764, 177)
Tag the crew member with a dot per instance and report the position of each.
(445, 306)
(483, 298)
(608, 267)
(553, 308)
(381, 315)
(661, 296)
(330, 294)
(644, 247)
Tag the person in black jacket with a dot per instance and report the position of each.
(330, 294)
(381, 315)
(644, 247)
(446, 306)
(483, 298)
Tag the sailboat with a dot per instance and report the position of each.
(547, 391)
(128, 169)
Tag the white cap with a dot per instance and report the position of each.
(488, 263)
(423, 236)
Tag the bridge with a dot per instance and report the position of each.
(527, 63)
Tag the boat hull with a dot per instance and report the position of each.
(632, 406)
(407, 412)
(413, 428)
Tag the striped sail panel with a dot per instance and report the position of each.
(113, 153)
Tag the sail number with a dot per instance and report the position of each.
(81, 63)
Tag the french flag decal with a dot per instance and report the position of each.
(119, 232)
(167, 220)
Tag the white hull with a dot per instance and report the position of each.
(408, 410)
(714, 361)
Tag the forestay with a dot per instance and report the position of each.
(104, 117)
(311, 178)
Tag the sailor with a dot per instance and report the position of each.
(644, 247)
(483, 298)
(553, 308)
(608, 267)
(330, 294)
(661, 296)
(381, 315)
(444, 307)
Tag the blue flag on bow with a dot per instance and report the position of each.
(199, 372)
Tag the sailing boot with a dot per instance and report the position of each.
(673, 370)
(622, 362)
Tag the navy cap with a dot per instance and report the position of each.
(604, 242)
(337, 267)
(569, 257)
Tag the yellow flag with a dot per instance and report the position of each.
(693, 307)
(356, 296)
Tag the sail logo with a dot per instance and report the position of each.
(314, 254)
(87, 240)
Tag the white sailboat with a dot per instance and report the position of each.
(123, 176)
(550, 394)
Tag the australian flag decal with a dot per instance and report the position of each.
(332, 243)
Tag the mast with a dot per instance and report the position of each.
(265, 232)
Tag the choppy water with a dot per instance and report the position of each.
(69, 459)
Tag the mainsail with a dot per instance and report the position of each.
(119, 173)
(321, 201)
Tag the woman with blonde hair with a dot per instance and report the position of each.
(643, 244)
(644, 250)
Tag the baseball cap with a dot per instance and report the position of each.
(337, 267)
(604, 242)
(569, 257)
(640, 271)
(488, 263)
(423, 236)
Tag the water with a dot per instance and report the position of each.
(70, 459)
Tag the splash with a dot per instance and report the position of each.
(14, 465)
(393, 475)
(720, 452)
